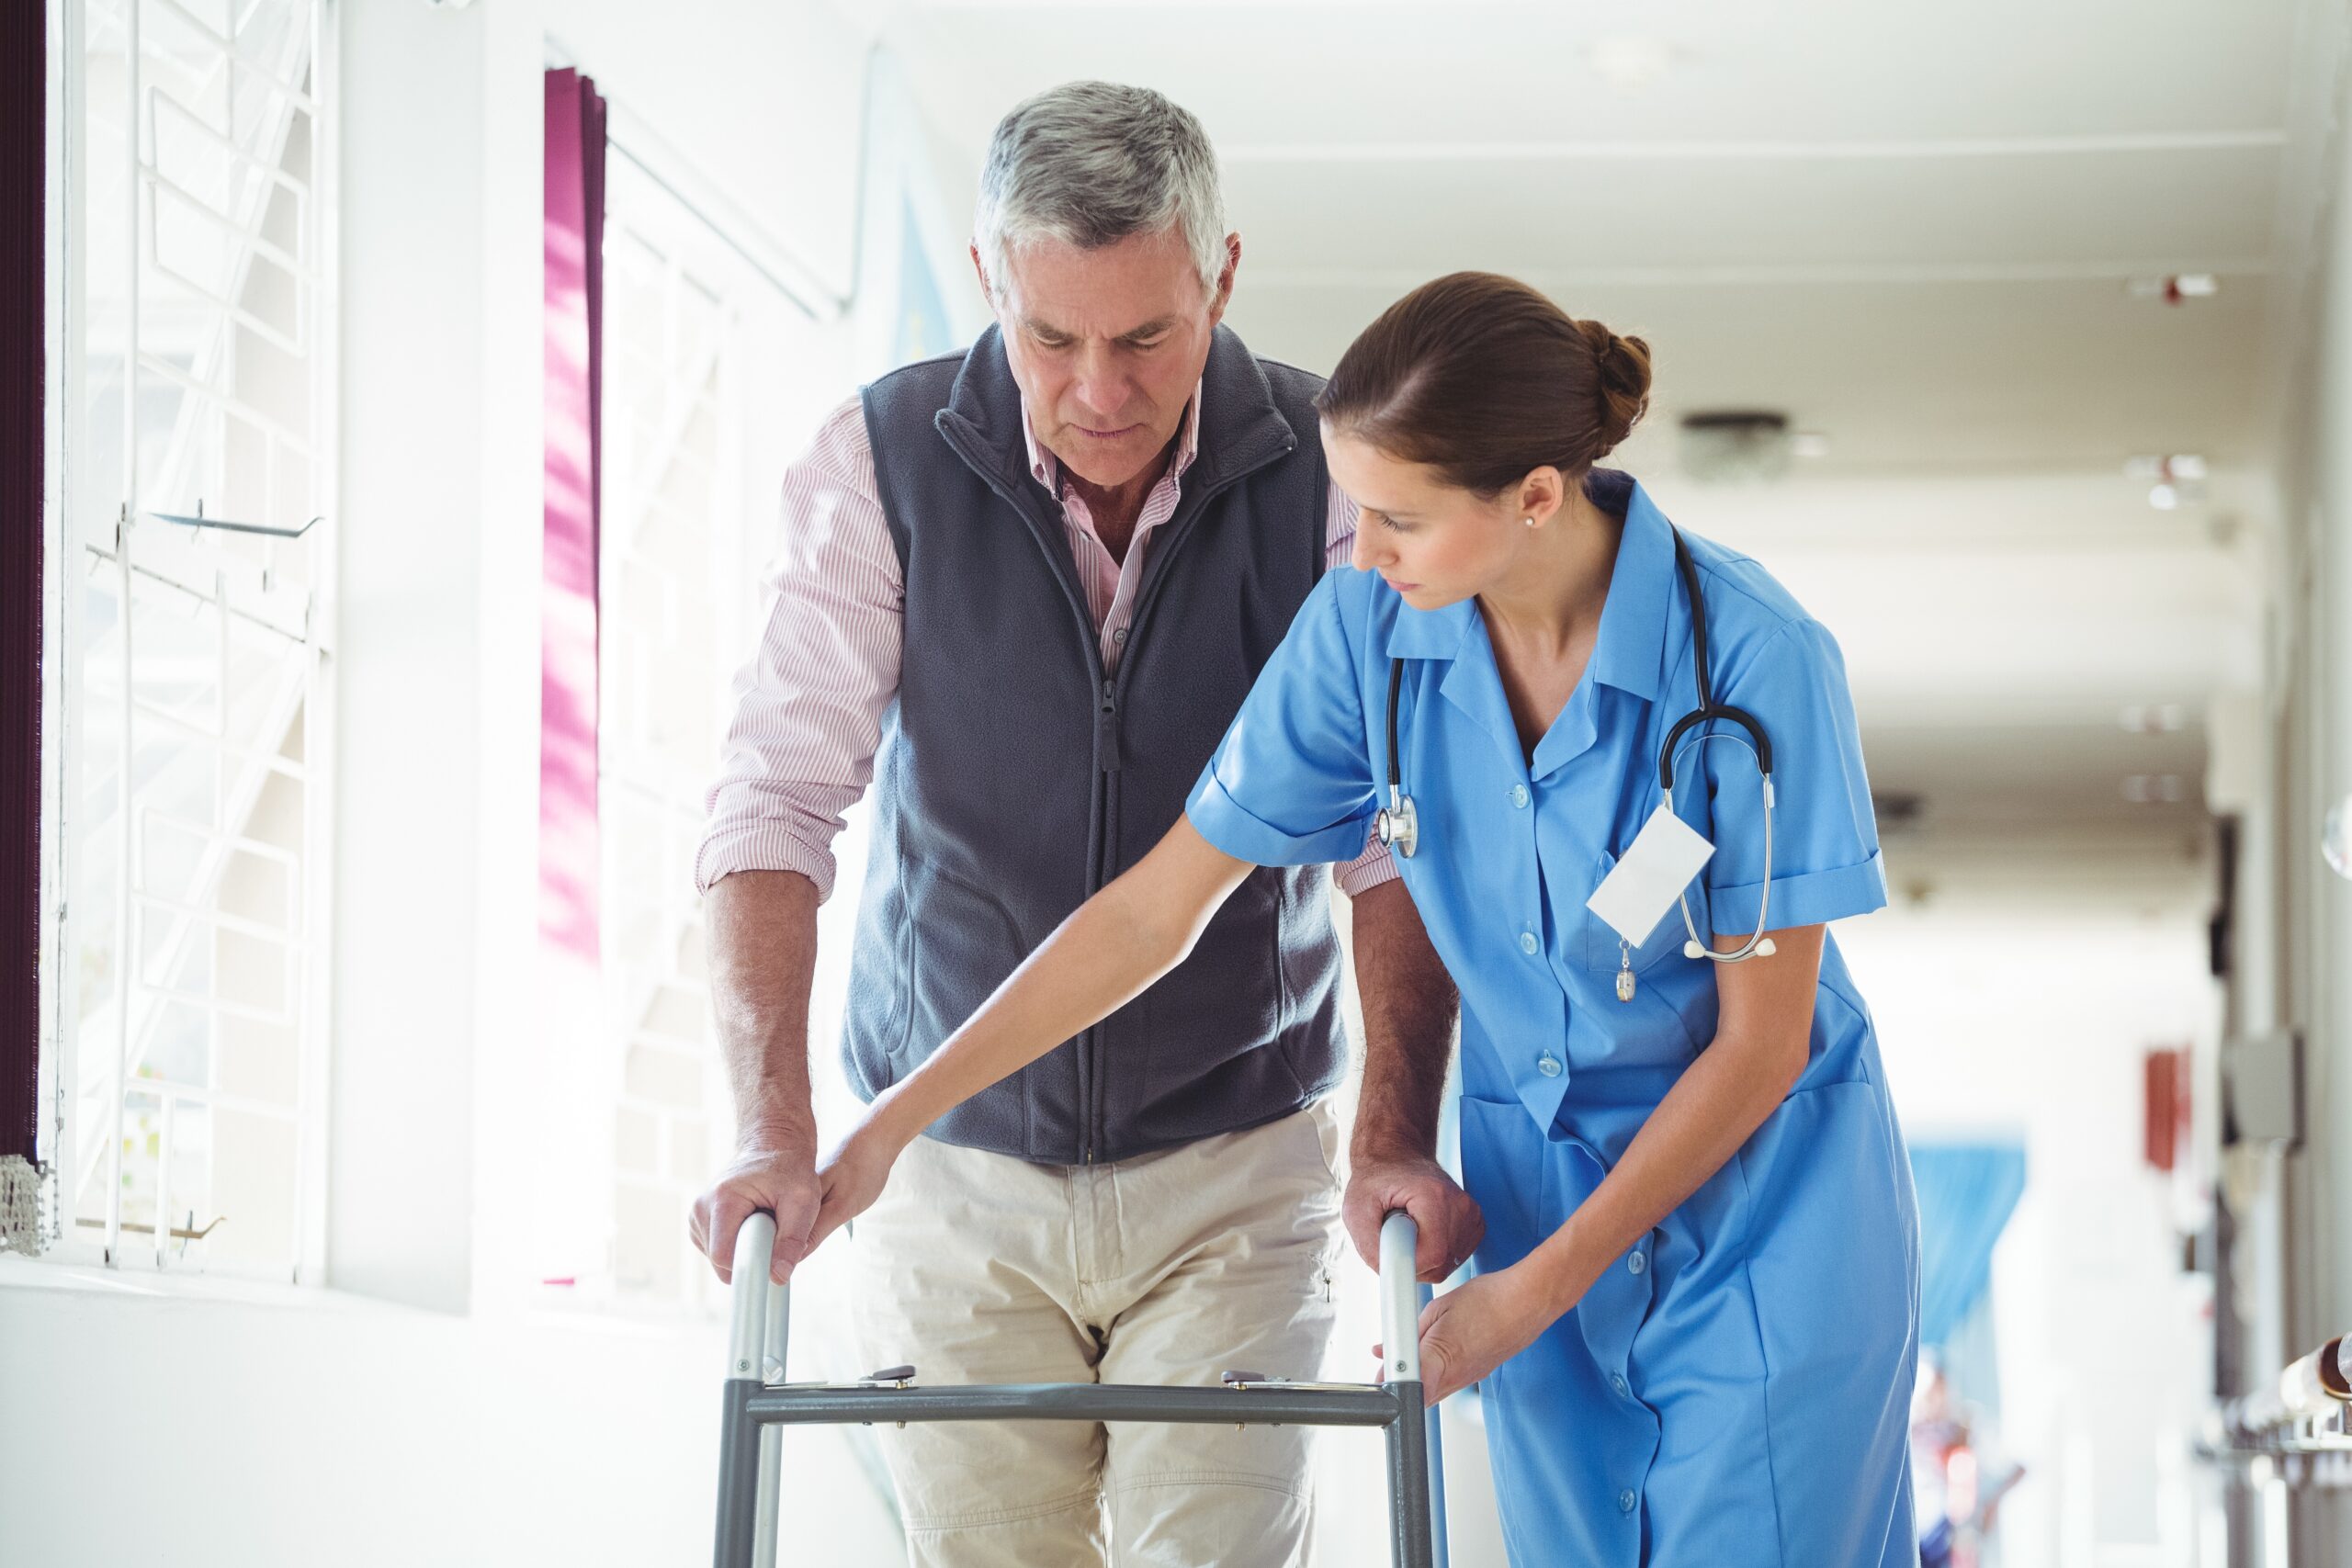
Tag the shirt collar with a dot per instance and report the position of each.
(1628, 649)
(1627, 653)
(1047, 469)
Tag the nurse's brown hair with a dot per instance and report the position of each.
(1484, 379)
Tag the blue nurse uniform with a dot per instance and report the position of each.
(1733, 1391)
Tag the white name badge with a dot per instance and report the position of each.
(1656, 866)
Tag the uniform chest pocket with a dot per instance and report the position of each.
(1601, 938)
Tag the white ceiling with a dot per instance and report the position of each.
(1912, 229)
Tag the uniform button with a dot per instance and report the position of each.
(1518, 796)
(1119, 635)
(1617, 1382)
(1527, 943)
(1548, 1065)
(1625, 1500)
(1638, 1262)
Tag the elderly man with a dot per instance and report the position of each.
(1038, 577)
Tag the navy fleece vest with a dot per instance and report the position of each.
(1013, 778)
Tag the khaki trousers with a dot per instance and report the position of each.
(1170, 1268)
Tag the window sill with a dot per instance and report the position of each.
(18, 1272)
(587, 1317)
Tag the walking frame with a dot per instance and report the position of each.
(757, 1404)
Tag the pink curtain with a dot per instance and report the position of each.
(23, 171)
(574, 315)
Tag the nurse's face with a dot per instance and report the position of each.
(1107, 345)
(1436, 543)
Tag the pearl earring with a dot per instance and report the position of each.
(1529, 520)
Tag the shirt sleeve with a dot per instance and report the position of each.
(1824, 849)
(807, 717)
(1290, 783)
(1375, 864)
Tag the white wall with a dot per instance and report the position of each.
(237, 1431)
(2310, 710)
(431, 1405)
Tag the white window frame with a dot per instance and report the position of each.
(694, 259)
(163, 553)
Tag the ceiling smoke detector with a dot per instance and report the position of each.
(1736, 445)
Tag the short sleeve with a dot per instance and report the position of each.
(1824, 852)
(1290, 783)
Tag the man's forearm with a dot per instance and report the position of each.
(763, 958)
(1409, 1008)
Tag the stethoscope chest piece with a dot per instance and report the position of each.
(1398, 824)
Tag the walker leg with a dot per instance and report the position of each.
(764, 1527)
(738, 1477)
(1440, 1557)
(1440, 1554)
(1408, 1480)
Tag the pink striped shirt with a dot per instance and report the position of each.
(808, 706)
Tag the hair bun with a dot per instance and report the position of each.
(1624, 366)
(1484, 379)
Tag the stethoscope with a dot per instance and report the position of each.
(1400, 826)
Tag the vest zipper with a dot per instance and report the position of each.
(1106, 746)
(1106, 753)
(1107, 731)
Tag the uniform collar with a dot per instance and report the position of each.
(1627, 652)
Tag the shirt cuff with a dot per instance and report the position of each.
(1370, 869)
(1220, 819)
(1808, 899)
(761, 846)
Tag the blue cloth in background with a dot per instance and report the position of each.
(923, 328)
(1967, 1192)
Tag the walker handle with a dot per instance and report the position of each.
(751, 1485)
(1400, 1313)
(759, 1319)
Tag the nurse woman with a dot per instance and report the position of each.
(1693, 1316)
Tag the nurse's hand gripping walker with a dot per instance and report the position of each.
(1398, 824)
(758, 1405)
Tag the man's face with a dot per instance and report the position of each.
(1107, 345)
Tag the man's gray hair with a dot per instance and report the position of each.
(1090, 163)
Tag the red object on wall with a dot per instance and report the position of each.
(2165, 1106)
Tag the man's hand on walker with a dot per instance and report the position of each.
(776, 1175)
(1446, 1217)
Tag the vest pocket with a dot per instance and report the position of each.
(961, 943)
(1227, 998)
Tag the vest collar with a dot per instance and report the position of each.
(1239, 428)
